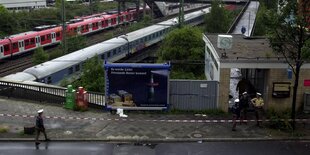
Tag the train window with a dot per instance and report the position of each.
(32, 41)
(94, 25)
(49, 80)
(58, 33)
(86, 27)
(42, 38)
(6, 47)
(102, 57)
(1, 49)
(114, 51)
(27, 42)
(70, 70)
(77, 68)
(108, 54)
(15, 45)
(48, 36)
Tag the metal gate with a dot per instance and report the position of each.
(193, 94)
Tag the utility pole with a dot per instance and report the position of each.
(63, 42)
(181, 13)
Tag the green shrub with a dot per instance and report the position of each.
(3, 129)
(279, 120)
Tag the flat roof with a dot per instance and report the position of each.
(249, 52)
(245, 47)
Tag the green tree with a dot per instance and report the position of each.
(218, 20)
(185, 49)
(261, 23)
(7, 22)
(289, 36)
(92, 78)
(39, 56)
(76, 43)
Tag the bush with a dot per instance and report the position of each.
(3, 129)
(279, 120)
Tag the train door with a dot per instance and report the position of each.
(109, 22)
(21, 46)
(79, 29)
(100, 24)
(38, 41)
(90, 27)
(1, 51)
(53, 37)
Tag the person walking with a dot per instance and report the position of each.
(244, 105)
(236, 113)
(258, 103)
(40, 127)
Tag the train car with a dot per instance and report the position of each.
(27, 41)
(52, 72)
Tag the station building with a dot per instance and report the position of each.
(267, 71)
(23, 4)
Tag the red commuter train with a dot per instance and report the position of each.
(49, 35)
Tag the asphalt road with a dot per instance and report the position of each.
(206, 148)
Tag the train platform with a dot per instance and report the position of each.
(98, 125)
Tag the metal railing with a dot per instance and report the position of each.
(44, 93)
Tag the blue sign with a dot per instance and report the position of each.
(289, 73)
(136, 85)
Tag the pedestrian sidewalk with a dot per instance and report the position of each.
(97, 124)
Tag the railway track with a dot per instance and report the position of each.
(11, 66)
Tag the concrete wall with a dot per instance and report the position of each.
(280, 75)
(224, 86)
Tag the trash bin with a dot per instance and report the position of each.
(81, 100)
(70, 98)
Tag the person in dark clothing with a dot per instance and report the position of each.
(40, 127)
(242, 86)
(236, 113)
(244, 104)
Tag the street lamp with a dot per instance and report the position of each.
(126, 38)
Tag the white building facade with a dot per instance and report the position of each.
(23, 4)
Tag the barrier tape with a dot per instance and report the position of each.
(153, 120)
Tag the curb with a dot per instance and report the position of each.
(155, 140)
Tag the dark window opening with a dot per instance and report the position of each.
(32, 41)
(15, 46)
(26, 42)
(102, 57)
(70, 70)
(48, 37)
(49, 80)
(58, 33)
(42, 38)
(6, 47)
(77, 68)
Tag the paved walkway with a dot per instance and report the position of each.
(96, 124)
